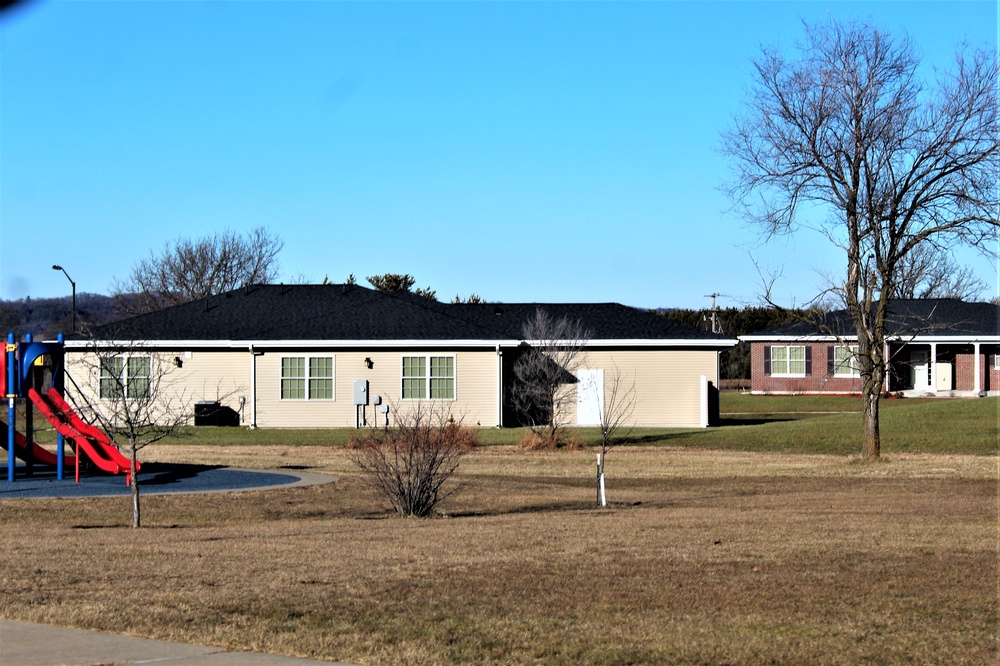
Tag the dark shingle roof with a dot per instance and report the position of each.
(352, 312)
(907, 317)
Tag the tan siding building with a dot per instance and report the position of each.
(297, 357)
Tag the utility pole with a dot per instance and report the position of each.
(716, 324)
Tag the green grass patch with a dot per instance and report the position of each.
(934, 426)
(793, 424)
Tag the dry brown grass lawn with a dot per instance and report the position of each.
(704, 558)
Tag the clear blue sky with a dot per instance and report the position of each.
(523, 151)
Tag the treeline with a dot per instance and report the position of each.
(732, 323)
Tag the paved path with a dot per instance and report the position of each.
(154, 478)
(27, 644)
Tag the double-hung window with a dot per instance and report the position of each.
(307, 378)
(788, 361)
(125, 376)
(426, 377)
(845, 361)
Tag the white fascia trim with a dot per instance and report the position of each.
(641, 342)
(945, 339)
(889, 338)
(376, 344)
(796, 338)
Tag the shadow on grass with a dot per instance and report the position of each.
(169, 473)
(540, 508)
(723, 422)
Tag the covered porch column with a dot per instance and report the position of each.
(933, 360)
(977, 373)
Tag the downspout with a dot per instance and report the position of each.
(253, 388)
(499, 387)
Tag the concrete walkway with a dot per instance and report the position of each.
(27, 644)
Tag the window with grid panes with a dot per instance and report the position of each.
(307, 378)
(414, 377)
(428, 377)
(789, 361)
(321, 378)
(442, 379)
(125, 373)
(845, 361)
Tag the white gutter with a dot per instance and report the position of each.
(253, 388)
(377, 344)
(889, 338)
(499, 387)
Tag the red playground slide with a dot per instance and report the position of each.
(91, 441)
(38, 453)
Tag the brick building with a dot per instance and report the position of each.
(941, 347)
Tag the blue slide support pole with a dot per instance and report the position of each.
(60, 447)
(11, 387)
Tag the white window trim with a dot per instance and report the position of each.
(427, 379)
(124, 379)
(852, 363)
(308, 397)
(787, 362)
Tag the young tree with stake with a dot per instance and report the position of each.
(136, 403)
(617, 408)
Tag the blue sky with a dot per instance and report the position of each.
(556, 151)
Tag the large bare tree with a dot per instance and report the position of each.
(186, 270)
(846, 127)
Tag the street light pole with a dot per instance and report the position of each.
(72, 284)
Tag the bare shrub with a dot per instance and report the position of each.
(410, 462)
(545, 440)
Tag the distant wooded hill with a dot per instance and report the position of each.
(44, 318)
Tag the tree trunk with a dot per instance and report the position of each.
(871, 443)
(136, 516)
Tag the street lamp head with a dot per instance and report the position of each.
(56, 267)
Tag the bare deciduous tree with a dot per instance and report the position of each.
(186, 270)
(134, 400)
(847, 125)
(617, 409)
(410, 461)
(545, 372)
(930, 272)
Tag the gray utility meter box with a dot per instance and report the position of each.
(360, 391)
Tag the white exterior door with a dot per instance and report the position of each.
(920, 366)
(589, 397)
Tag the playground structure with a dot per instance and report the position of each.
(26, 368)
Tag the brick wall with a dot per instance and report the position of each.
(820, 380)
